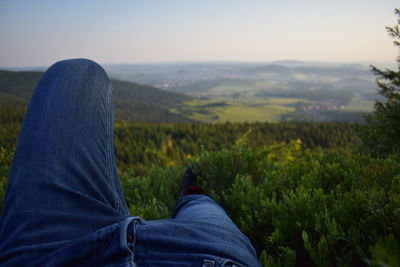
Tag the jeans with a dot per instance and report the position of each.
(64, 205)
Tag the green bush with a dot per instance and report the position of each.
(305, 208)
(324, 207)
(152, 196)
(298, 207)
(5, 164)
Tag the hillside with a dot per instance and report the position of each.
(235, 92)
(133, 102)
(269, 91)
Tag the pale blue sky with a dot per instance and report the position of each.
(40, 32)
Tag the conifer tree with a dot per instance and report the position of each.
(381, 136)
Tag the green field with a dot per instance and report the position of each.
(270, 109)
(244, 87)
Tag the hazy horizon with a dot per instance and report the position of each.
(39, 33)
(380, 64)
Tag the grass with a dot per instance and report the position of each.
(231, 88)
(240, 113)
(284, 101)
(246, 86)
(270, 109)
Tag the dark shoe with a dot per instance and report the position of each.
(188, 183)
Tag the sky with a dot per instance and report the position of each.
(41, 32)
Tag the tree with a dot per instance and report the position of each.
(381, 135)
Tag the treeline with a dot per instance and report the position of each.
(140, 145)
(324, 115)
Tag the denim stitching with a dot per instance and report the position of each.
(135, 226)
(109, 144)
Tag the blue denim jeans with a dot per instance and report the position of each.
(64, 205)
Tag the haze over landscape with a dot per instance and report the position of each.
(235, 60)
(39, 33)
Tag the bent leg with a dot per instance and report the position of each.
(63, 182)
(199, 233)
(201, 208)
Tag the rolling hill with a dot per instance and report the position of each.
(133, 102)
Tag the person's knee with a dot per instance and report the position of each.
(77, 65)
(75, 62)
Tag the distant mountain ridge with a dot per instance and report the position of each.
(271, 91)
(133, 102)
(206, 79)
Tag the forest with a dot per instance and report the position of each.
(302, 192)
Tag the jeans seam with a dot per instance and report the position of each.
(109, 147)
(133, 231)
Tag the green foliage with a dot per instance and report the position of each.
(237, 110)
(297, 190)
(140, 145)
(385, 252)
(309, 208)
(381, 135)
(152, 196)
(299, 206)
(18, 84)
(5, 165)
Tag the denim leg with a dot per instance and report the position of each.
(63, 182)
(201, 208)
(199, 233)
